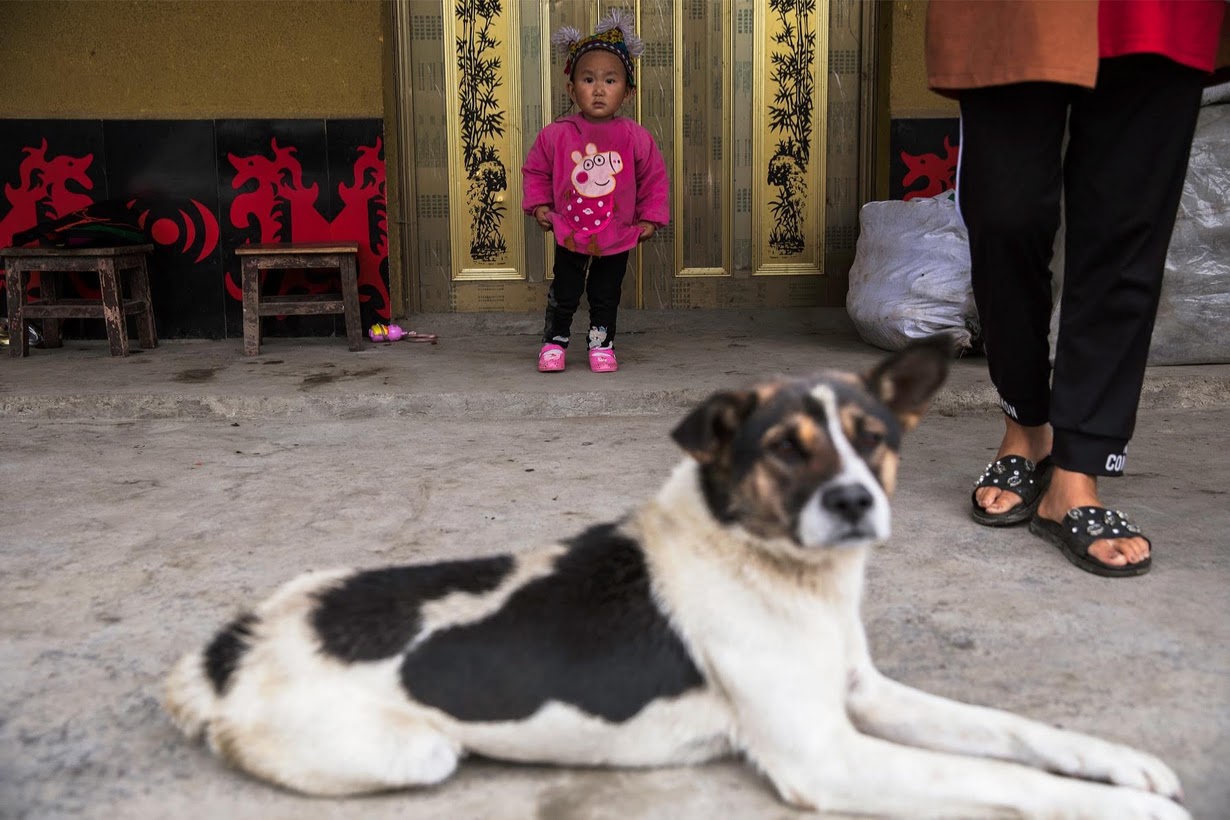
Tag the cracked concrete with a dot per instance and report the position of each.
(146, 500)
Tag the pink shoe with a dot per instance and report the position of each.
(550, 359)
(602, 360)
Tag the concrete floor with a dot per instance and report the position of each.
(146, 500)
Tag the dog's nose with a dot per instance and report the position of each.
(850, 501)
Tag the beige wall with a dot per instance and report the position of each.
(908, 92)
(192, 59)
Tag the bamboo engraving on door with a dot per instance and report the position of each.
(485, 151)
(790, 66)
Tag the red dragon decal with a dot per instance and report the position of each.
(282, 209)
(43, 193)
(940, 172)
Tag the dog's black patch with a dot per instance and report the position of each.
(745, 447)
(589, 634)
(224, 651)
(375, 614)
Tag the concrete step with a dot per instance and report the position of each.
(484, 367)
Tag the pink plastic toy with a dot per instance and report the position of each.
(385, 333)
(394, 333)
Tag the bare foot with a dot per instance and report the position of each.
(1070, 490)
(1033, 443)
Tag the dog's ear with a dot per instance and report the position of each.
(712, 425)
(907, 380)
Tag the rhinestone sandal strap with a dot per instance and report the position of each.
(1089, 524)
(1015, 474)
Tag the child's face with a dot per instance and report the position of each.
(599, 85)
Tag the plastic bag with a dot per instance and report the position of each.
(1193, 317)
(910, 277)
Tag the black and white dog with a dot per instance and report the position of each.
(720, 617)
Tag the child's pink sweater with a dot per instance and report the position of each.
(600, 179)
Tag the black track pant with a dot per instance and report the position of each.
(600, 278)
(1121, 178)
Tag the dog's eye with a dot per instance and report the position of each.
(866, 439)
(787, 448)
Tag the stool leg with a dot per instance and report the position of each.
(18, 344)
(251, 308)
(140, 292)
(49, 294)
(350, 301)
(113, 306)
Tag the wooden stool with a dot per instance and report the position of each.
(339, 255)
(112, 308)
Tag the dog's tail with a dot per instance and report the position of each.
(201, 678)
(189, 698)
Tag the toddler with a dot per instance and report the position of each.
(597, 180)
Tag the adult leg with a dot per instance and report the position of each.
(564, 295)
(1127, 157)
(604, 289)
(1008, 187)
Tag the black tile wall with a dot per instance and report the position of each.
(202, 187)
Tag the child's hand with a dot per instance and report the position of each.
(540, 216)
(647, 230)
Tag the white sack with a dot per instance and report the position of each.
(911, 274)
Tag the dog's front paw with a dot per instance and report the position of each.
(1091, 758)
(1140, 770)
(1139, 805)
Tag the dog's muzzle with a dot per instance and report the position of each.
(847, 502)
(845, 514)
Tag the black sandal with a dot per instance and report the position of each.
(1084, 525)
(1016, 474)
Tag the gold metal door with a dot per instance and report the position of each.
(755, 105)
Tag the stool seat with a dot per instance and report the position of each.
(341, 256)
(112, 307)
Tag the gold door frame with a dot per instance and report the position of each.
(426, 271)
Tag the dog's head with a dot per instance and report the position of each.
(810, 463)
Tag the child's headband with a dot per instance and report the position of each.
(614, 34)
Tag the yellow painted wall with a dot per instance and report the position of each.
(191, 59)
(908, 92)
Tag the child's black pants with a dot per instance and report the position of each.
(600, 278)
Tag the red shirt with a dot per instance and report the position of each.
(1186, 31)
